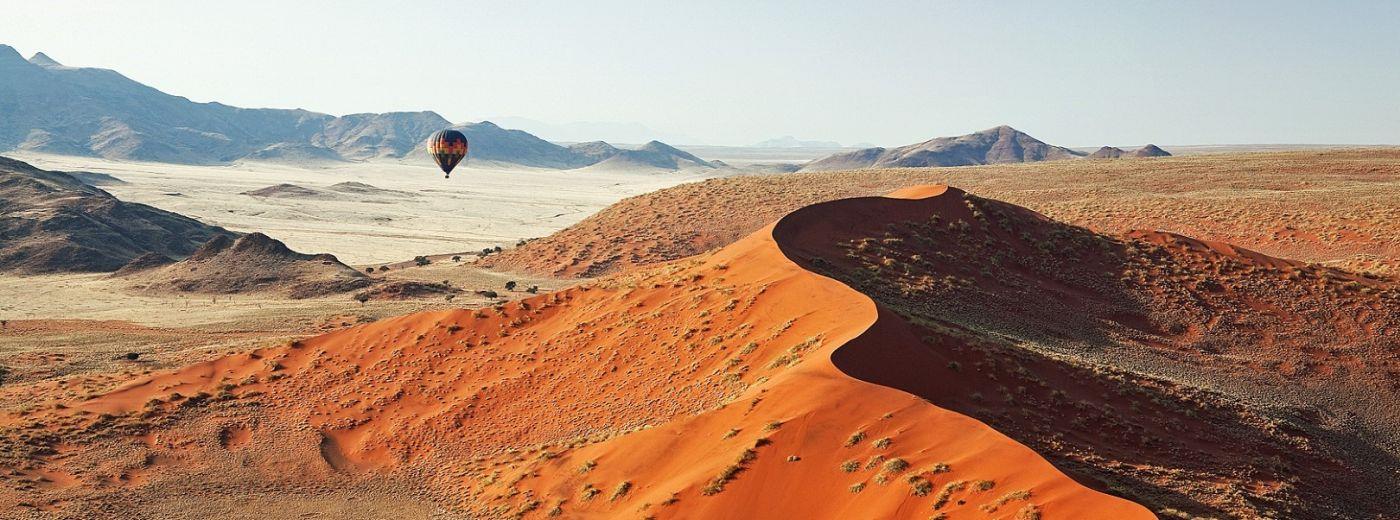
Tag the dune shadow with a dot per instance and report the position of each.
(996, 312)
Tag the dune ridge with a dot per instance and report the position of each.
(696, 389)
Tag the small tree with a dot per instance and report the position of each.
(456, 258)
(449, 297)
(421, 260)
(497, 249)
(369, 270)
(510, 286)
(383, 268)
(485, 251)
(362, 297)
(533, 289)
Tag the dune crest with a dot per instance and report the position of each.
(692, 390)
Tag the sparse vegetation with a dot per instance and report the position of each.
(855, 439)
(920, 486)
(621, 489)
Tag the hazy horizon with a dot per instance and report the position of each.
(735, 73)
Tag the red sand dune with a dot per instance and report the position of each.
(706, 386)
(700, 389)
(743, 383)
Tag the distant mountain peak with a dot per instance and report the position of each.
(1107, 152)
(43, 60)
(789, 141)
(1151, 150)
(1000, 144)
(9, 54)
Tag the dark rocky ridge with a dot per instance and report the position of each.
(53, 222)
(253, 263)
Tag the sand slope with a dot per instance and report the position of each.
(1330, 207)
(700, 389)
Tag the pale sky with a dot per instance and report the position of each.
(722, 72)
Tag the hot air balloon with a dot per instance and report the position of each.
(447, 147)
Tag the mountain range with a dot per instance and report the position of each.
(788, 141)
(1113, 152)
(48, 107)
(1002, 144)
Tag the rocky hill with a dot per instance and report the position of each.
(1110, 152)
(1002, 144)
(1107, 152)
(54, 222)
(251, 263)
(654, 155)
(1150, 150)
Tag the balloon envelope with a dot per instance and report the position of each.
(447, 147)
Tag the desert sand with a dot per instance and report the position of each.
(892, 356)
(683, 391)
(414, 211)
(1334, 207)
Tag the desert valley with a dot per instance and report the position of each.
(209, 311)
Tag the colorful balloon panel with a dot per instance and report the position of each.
(447, 147)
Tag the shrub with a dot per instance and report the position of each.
(621, 489)
(920, 486)
(947, 493)
(510, 285)
(855, 439)
(587, 466)
(421, 260)
(589, 492)
(857, 487)
(884, 442)
(850, 466)
(896, 465)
